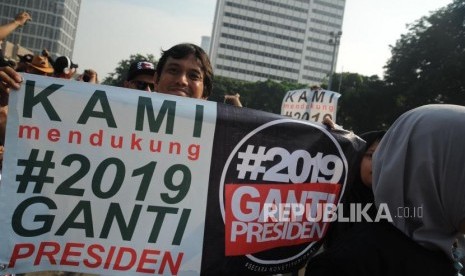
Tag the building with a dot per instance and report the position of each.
(281, 40)
(11, 50)
(205, 43)
(53, 25)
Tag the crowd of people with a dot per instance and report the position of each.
(417, 162)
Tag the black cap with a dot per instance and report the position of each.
(63, 62)
(26, 58)
(142, 67)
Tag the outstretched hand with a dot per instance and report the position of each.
(22, 18)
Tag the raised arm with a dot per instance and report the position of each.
(19, 20)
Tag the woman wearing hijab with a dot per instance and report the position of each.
(419, 163)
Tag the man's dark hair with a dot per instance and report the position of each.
(183, 50)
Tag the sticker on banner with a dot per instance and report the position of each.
(272, 195)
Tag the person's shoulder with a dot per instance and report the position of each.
(378, 248)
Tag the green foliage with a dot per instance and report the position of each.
(428, 63)
(117, 77)
(262, 95)
(226, 86)
(366, 103)
(268, 95)
(427, 66)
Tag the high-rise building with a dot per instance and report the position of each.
(53, 25)
(281, 40)
(205, 43)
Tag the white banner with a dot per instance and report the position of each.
(310, 104)
(93, 184)
(108, 180)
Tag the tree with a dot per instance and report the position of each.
(366, 103)
(261, 95)
(428, 63)
(117, 77)
(268, 95)
(226, 86)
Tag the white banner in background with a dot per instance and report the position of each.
(310, 105)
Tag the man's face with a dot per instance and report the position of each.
(181, 77)
(141, 82)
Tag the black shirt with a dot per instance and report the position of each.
(370, 249)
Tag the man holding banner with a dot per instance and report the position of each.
(100, 181)
(184, 70)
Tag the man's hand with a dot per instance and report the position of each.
(330, 124)
(89, 75)
(9, 78)
(22, 18)
(233, 99)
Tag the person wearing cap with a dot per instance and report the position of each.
(40, 66)
(24, 61)
(140, 76)
(64, 68)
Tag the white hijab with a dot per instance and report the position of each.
(420, 162)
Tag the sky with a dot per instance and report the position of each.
(111, 30)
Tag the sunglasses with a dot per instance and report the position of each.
(142, 85)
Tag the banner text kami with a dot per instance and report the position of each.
(167, 110)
